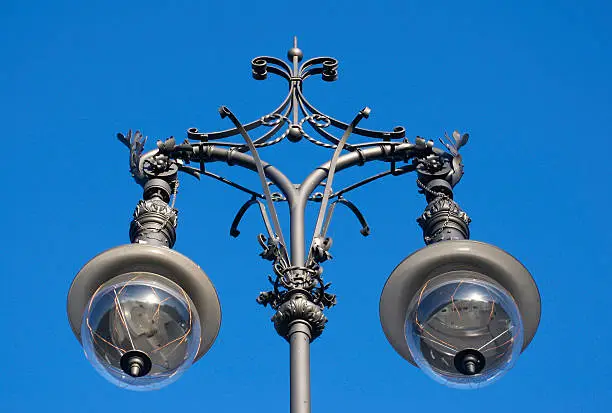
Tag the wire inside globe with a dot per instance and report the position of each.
(141, 331)
(464, 330)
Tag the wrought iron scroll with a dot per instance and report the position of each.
(295, 104)
(435, 168)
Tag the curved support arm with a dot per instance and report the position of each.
(396, 172)
(364, 113)
(225, 112)
(383, 151)
(297, 198)
(312, 181)
(233, 157)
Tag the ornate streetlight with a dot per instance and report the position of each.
(460, 310)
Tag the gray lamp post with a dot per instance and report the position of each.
(460, 310)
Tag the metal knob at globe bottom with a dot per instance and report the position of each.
(135, 363)
(469, 362)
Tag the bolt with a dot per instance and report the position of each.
(136, 363)
(469, 362)
(470, 367)
(135, 370)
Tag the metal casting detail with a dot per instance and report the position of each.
(154, 219)
(302, 279)
(154, 223)
(298, 290)
(443, 220)
(299, 308)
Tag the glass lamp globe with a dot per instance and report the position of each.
(464, 331)
(140, 331)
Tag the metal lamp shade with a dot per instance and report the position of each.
(160, 261)
(446, 257)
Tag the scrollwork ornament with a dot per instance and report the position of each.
(298, 277)
(299, 291)
(330, 70)
(272, 119)
(317, 120)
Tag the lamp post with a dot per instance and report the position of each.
(460, 310)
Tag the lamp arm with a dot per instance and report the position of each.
(382, 152)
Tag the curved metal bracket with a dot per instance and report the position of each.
(365, 229)
(234, 232)
(225, 112)
(270, 120)
(364, 113)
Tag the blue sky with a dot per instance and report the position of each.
(529, 80)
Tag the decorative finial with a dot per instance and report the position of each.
(295, 51)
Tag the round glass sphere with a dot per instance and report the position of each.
(140, 331)
(463, 331)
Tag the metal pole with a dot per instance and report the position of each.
(299, 340)
(296, 206)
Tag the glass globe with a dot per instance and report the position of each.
(140, 331)
(463, 331)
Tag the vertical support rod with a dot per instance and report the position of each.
(299, 339)
(295, 60)
(296, 204)
(296, 208)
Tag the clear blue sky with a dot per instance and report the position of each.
(529, 80)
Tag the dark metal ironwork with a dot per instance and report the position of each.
(444, 220)
(299, 294)
(155, 220)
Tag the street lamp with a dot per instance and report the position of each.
(460, 310)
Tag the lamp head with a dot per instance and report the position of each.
(460, 310)
(143, 314)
